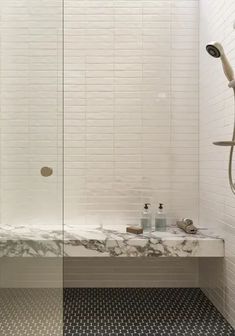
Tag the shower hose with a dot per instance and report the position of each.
(230, 166)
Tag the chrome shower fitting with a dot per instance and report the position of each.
(46, 171)
(216, 50)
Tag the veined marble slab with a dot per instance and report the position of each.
(105, 242)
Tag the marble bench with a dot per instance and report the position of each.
(21, 241)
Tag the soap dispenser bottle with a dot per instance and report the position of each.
(160, 220)
(145, 220)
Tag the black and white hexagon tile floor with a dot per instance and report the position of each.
(109, 312)
(145, 312)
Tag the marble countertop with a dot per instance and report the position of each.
(111, 241)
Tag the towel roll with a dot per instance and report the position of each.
(186, 224)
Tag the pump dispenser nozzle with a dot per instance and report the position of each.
(146, 205)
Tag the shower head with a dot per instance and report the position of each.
(216, 50)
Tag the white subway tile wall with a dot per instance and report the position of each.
(217, 204)
(131, 119)
(98, 272)
(131, 109)
(31, 111)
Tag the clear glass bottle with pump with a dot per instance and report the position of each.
(145, 221)
(160, 219)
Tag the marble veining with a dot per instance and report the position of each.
(110, 241)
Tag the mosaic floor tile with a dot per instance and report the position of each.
(141, 312)
(109, 312)
(31, 312)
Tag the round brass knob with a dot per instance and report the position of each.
(46, 171)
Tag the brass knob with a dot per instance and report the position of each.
(46, 171)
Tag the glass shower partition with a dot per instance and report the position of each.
(31, 164)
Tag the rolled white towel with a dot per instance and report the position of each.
(186, 224)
